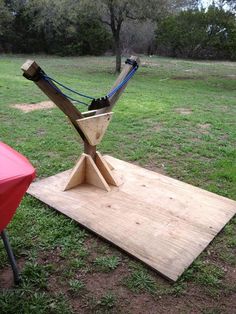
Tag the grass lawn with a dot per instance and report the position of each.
(177, 117)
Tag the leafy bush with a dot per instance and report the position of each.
(50, 26)
(198, 34)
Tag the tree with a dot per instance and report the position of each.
(115, 12)
(65, 29)
(50, 26)
(23, 38)
(201, 34)
(231, 4)
(6, 19)
(182, 35)
(141, 41)
(221, 31)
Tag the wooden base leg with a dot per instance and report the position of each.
(92, 171)
(105, 170)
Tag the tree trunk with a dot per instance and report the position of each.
(115, 25)
(118, 55)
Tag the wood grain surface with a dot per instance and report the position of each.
(159, 220)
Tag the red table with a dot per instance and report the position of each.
(16, 174)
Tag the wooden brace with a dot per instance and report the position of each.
(95, 172)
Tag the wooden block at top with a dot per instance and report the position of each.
(30, 67)
(94, 127)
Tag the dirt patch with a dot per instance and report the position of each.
(224, 137)
(40, 132)
(99, 283)
(185, 78)
(6, 278)
(157, 127)
(184, 111)
(32, 107)
(195, 140)
(224, 108)
(204, 128)
(149, 64)
(152, 166)
(6, 275)
(230, 277)
(230, 76)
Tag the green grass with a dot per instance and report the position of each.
(36, 275)
(108, 300)
(177, 116)
(76, 286)
(106, 263)
(25, 302)
(140, 281)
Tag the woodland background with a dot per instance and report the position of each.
(179, 28)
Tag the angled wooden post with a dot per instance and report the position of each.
(32, 71)
(125, 71)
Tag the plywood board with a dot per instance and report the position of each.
(161, 221)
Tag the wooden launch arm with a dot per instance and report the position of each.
(126, 70)
(113, 99)
(32, 71)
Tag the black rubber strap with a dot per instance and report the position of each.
(99, 103)
(36, 77)
(131, 62)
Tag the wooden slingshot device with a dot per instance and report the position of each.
(163, 222)
(91, 167)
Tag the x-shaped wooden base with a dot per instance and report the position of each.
(92, 171)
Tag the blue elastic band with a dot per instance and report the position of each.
(68, 88)
(126, 79)
(48, 79)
